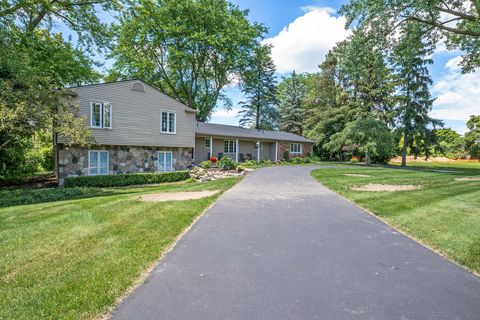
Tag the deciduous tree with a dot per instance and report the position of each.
(189, 49)
(455, 21)
(472, 137)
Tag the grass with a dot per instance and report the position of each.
(73, 259)
(444, 214)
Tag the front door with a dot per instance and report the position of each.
(165, 161)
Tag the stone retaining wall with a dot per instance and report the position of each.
(73, 161)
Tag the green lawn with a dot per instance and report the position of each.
(73, 259)
(444, 213)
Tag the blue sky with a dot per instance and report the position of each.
(303, 31)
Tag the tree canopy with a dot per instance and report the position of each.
(189, 49)
(455, 21)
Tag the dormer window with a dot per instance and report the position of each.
(168, 122)
(100, 114)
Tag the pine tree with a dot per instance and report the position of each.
(259, 87)
(414, 100)
(291, 100)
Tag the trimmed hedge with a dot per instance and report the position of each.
(119, 180)
(29, 196)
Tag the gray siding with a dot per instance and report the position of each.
(136, 116)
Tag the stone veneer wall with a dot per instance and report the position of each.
(307, 148)
(73, 161)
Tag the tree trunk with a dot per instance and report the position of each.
(340, 155)
(368, 161)
(404, 150)
(257, 120)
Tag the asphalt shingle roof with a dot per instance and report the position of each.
(212, 129)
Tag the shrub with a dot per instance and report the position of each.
(250, 163)
(119, 180)
(226, 163)
(29, 196)
(297, 160)
(206, 164)
(315, 159)
(265, 162)
(307, 160)
(286, 155)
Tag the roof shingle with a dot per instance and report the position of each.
(212, 129)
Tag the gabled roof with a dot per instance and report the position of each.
(212, 129)
(187, 109)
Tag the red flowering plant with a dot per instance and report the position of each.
(214, 159)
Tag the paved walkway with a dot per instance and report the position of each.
(281, 246)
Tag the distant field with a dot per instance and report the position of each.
(443, 210)
(447, 165)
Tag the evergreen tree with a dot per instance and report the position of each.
(259, 87)
(414, 100)
(291, 100)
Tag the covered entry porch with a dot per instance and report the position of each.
(238, 149)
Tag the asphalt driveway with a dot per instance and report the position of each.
(281, 246)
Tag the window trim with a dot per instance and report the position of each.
(168, 122)
(102, 114)
(205, 144)
(234, 146)
(300, 148)
(111, 115)
(98, 166)
(158, 161)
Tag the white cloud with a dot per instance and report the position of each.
(302, 45)
(457, 94)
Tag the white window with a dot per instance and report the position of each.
(207, 142)
(230, 146)
(97, 162)
(168, 122)
(295, 148)
(165, 161)
(100, 115)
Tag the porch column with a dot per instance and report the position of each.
(258, 150)
(211, 147)
(276, 151)
(236, 150)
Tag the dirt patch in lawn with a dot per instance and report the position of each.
(468, 179)
(371, 187)
(177, 196)
(357, 175)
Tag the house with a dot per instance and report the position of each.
(137, 128)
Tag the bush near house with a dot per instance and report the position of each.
(206, 164)
(119, 180)
(297, 160)
(226, 163)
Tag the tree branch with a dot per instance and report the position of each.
(457, 14)
(445, 28)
